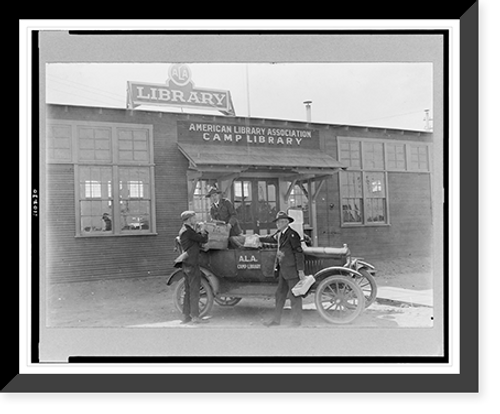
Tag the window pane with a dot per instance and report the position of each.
(373, 155)
(374, 185)
(135, 205)
(95, 182)
(351, 210)
(350, 153)
(419, 158)
(134, 183)
(134, 215)
(351, 185)
(59, 143)
(396, 157)
(96, 216)
(375, 210)
(271, 192)
(133, 144)
(94, 144)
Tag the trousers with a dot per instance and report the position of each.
(283, 291)
(192, 283)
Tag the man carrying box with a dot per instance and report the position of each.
(190, 242)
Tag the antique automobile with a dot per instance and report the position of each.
(344, 285)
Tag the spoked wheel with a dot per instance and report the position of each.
(206, 296)
(226, 300)
(368, 286)
(339, 299)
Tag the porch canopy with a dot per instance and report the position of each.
(226, 163)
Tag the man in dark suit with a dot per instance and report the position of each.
(290, 268)
(190, 242)
(223, 210)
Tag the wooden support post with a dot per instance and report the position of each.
(289, 191)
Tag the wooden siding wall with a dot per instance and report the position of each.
(71, 258)
(409, 204)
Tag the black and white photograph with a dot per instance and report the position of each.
(266, 200)
(126, 160)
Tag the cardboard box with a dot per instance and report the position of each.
(218, 235)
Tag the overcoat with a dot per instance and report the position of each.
(290, 256)
(191, 242)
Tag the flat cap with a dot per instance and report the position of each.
(187, 214)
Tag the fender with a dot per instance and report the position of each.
(207, 274)
(360, 264)
(335, 270)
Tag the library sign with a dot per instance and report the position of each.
(246, 135)
(179, 90)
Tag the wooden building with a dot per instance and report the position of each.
(116, 180)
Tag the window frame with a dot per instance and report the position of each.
(385, 170)
(115, 164)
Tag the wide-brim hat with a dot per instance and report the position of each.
(283, 215)
(213, 190)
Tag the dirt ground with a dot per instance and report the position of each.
(135, 302)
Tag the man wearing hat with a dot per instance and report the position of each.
(290, 268)
(223, 210)
(190, 242)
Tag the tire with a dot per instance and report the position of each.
(368, 286)
(339, 299)
(226, 300)
(206, 296)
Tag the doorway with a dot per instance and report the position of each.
(256, 202)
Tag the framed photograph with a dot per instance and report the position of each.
(232, 208)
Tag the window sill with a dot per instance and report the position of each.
(97, 236)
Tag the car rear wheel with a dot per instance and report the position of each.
(206, 296)
(339, 299)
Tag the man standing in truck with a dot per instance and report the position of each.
(223, 210)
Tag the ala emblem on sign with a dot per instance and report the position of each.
(180, 74)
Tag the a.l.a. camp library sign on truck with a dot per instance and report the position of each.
(179, 90)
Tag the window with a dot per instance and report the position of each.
(373, 156)
(135, 199)
(96, 200)
(352, 197)
(419, 160)
(375, 199)
(363, 186)
(114, 174)
(363, 197)
(396, 156)
(201, 204)
(298, 199)
(350, 153)
(243, 204)
(94, 144)
(266, 204)
(59, 143)
(133, 145)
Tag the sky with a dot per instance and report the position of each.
(392, 95)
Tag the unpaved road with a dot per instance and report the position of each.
(148, 302)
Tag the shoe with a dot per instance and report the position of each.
(185, 321)
(295, 324)
(271, 323)
(199, 320)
